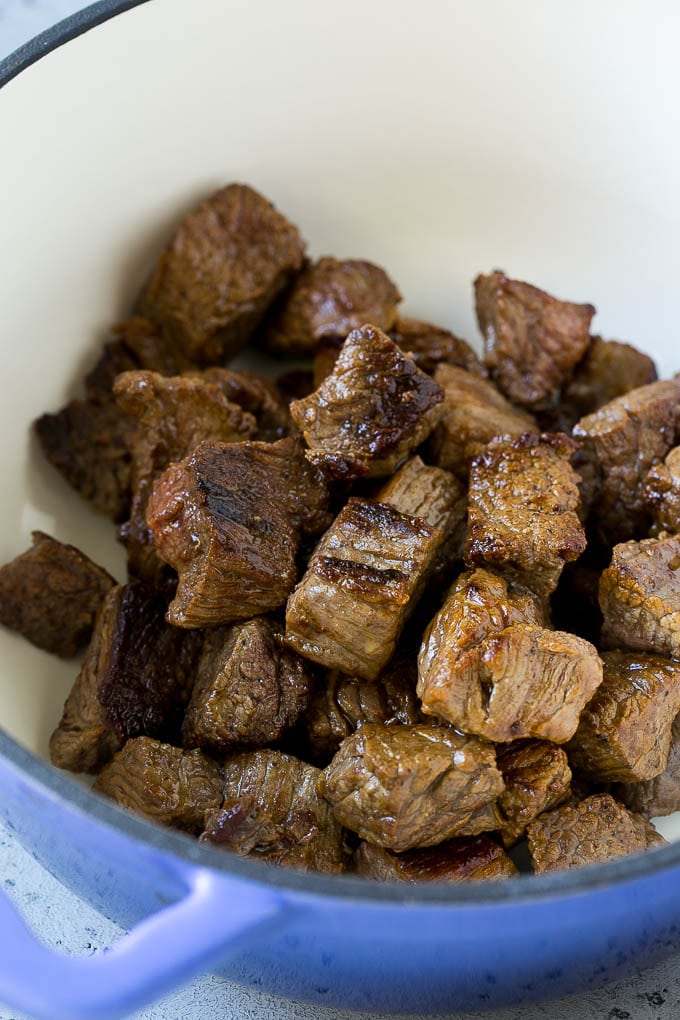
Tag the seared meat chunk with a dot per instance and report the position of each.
(595, 830)
(163, 783)
(474, 413)
(624, 733)
(372, 410)
(430, 345)
(467, 859)
(431, 493)
(522, 510)
(330, 298)
(659, 796)
(88, 442)
(640, 597)
(136, 343)
(488, 667)
(339, 704)
(51, 594)
(409, 786)
(272, 810)
(607, 371)
(362, 581)
(537, 778)
(662, 493)
(622, 441)
(249, 689)
(135, 679)
(174, 415)
(257, 396)
(228, 518)
(226, 262)
(532, 341)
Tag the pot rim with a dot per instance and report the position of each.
(76, 798)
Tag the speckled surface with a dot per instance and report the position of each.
(69, 925)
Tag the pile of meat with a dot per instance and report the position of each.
(400, 613)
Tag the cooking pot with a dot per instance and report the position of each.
(437, 139)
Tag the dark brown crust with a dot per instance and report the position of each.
(430, 345)
(592, 831)
(662, 493)
(532, 341)
(362, 582)
(329, 299)
(371, 411)
(467, 859)
(522, 507)
(401, 787)
(660, 796)
(537, 778)
(226, 262)
(51, 594)
(163, 783)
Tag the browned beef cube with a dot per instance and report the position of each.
(259, 397)
(475, 413)
(330, 298)
(624, 733)
(532, 341)
(362, 581)
(136, 344)
(372, 410)
(640, 597)
(607, 371)
(488, 667)
(662, 493)
(249, 689)
(227, 261)
(408, 786)
(272, 810)
(51, 594)
(428, 492)
(174, 414)
(88, 442)
(659, 796)
(467, 859)
(228, 519)
(163, 783)
(537, 778)
(522, 516)
(431, 345)
(622, 441)
(595, 830)
(135, 679)
(339, 704)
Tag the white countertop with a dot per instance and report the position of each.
(70, 925)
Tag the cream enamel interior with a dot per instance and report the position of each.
(440, 139)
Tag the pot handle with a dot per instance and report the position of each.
(217, 916)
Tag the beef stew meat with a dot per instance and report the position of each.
(374, 408)
(466, 859)
(271, 810)
(249, 689)
(659, 796)
(592, 831)
(227, 261)
(487, 666)
(228, 519)
(164, 783)
(136, 679)
(329, 299)
(147, 348)
(532, 341)
(340, 704)
(430, 346)
(363, 579)
(475, 412)
(624, 733)
(51, 594)
(662, 493)
(640, 597)
(401, 787)
(522, 507)
(174, 414)
(622, 441)
(537, 778)
(257, 396)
